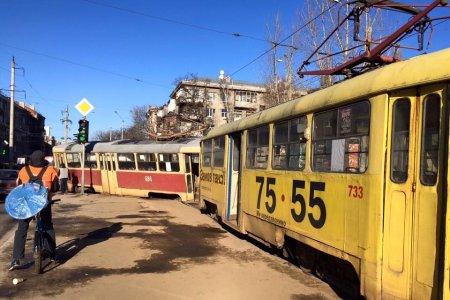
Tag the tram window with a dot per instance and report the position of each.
(102, 162)
(73, 160)
(257, 148)
(237, 152)
(207, 150)
(58, 159)
(146, 161)
(289, 145)
(126, 161)
(218, 151)
(187, 162)
(169, 162)
(400, 140)
(430, 139)
(341, 139)
(91, 161)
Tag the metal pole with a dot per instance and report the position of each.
(11, 112)
(121, 120)
(122, 129)
(110, 134)
(82, 168)
(66, 125)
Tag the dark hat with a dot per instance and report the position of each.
(37, 159)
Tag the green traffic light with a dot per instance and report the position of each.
(83, 131)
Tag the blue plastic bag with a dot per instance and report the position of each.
(26, 200)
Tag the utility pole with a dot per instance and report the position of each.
(66, 125)
(122, 128)
(121, 123)
(11, 112)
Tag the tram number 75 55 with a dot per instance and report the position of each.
(271, 200)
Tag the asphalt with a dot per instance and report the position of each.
(111, 247)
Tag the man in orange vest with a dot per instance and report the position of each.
(49, 179)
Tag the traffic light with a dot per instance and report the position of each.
(83, 131)
(4, 151)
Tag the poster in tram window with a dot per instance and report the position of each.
(353, 156)
(346, 121)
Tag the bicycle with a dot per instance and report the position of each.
(40, 249)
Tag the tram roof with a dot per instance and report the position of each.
(127, 146)
(419, 70)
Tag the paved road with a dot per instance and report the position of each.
(6, 222)
(129, 248)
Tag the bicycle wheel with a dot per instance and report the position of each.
(37, 252)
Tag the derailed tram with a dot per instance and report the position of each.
(134, 168)
(350, 181)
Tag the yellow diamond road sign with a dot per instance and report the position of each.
(84, 107)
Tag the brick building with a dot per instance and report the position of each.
(28, 129)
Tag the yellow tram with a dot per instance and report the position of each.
(350, 180)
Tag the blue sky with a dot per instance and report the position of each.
(74, 49)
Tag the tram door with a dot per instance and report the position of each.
(192, 177)
(108, 173)
(413, 196)
(234, 170)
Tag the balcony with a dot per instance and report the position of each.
(186, 101)
(246, 105)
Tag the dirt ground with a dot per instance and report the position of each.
(113, 247)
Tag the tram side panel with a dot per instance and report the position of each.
(141, 183)
(337, 213)
(92, 179)
(168, 175)
(213, 184)
(445, 261)
(92, 174)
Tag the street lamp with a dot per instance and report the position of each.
(121, 119)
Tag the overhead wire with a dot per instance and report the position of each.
(84, 65)
(164, 19)
(305, 82)
(37, 93)
(283, 40)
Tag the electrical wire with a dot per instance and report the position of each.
(84, 65)
(234, 34)
(37, 93)
(282, 41)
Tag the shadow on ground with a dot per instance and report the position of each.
(175, 246)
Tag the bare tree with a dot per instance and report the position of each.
(340, 47)
(137, 131)
(279, 80)
(272, 96)
(106, 135)
(140, 127)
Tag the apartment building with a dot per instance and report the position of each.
(28, 129)
(197, 105)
